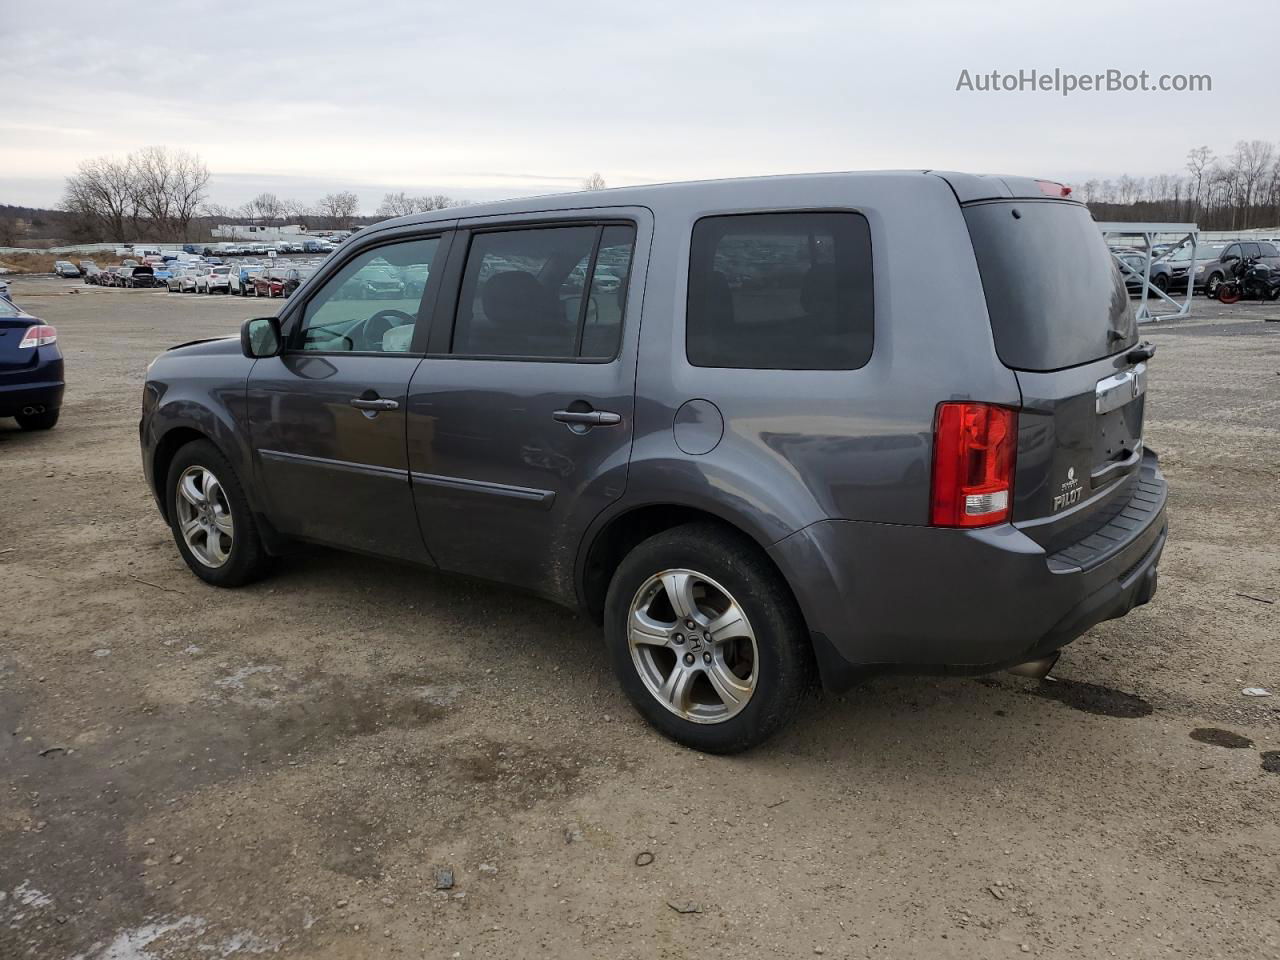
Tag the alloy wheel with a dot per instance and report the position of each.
(693, 646)
(204, 516)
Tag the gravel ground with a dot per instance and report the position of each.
(187, 772)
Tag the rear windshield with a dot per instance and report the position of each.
(1054, 294)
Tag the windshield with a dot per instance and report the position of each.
(7, 309)
(1054, 293)
(1205, 251)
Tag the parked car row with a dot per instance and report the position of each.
(123, 275)
(233, 248)
(245, 280)
(1214, 264)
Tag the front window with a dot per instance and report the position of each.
(364, 307)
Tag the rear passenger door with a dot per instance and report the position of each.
(520, 416)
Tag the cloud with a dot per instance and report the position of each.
(328, 95)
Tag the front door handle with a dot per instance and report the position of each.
(360, 403)
(588, 418)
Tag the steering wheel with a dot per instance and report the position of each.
(376, 327)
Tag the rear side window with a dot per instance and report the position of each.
(1268, 249)
(553, 292)
(782, 291)
(1054, 294)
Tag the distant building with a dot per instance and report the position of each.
(258, 231)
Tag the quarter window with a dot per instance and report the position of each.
(372, 304)
(786, 291)
(554, 292)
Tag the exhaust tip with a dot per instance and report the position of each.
(1036, 669)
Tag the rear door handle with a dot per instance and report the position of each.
(589, 418)
(362, 404)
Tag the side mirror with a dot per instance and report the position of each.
(260, 337)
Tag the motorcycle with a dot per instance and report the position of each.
(1250, 280)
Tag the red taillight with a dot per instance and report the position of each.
(973, 455)
(1051, 189)
(38, 336)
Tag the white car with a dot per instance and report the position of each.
(214, 279)
(248, 270)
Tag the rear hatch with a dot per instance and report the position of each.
(1062, 320)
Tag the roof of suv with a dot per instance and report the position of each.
(967, 187)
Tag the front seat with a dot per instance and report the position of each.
(526, 318)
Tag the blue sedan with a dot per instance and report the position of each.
(31, 383)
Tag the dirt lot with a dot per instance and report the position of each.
(187, 772)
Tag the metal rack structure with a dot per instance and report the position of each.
(1180, 235)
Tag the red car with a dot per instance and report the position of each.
(269, 283)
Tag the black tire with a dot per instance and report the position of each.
(38, 421)
(1161, 283)
(247, 559)
(1211, 285)
(784, 665)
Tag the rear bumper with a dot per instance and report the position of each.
(885, 597)
(42, 386)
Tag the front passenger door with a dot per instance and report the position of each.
(327, 416)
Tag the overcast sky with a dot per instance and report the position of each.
(497, 99)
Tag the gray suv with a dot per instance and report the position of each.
(763, 430)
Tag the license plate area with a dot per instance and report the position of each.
(1118, 407)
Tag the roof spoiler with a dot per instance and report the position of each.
(969, 187)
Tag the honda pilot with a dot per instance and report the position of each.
(736, 422)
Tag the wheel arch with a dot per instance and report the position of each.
(615, 535)
(166, 449)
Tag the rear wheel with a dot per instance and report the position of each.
(210, 518)
(38, 421)
(706, 639)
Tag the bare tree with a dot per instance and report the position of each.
(12, 230)
(266, 206)
(397, 205)
(593, 182)
(299, 211)
(1252, 161)
(401, 204)
(1198, 162)
(341, 208)
(190, 179)
(156, 190)
(101, 197)
(437, 202)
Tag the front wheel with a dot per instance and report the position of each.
(706, 639)
(210, 518)
(1228, 293)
